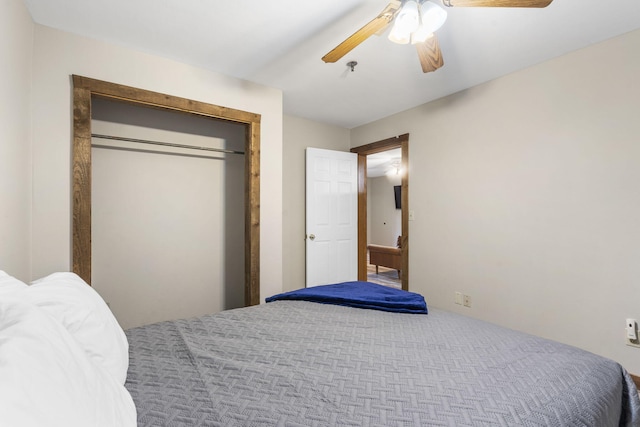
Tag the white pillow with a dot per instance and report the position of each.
(83, 312)
(9, 284)
(48, 380)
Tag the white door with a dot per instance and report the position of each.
(332, 217)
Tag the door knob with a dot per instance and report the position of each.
(312, 236)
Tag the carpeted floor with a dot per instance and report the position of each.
(385, 276)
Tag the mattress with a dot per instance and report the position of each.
(298, 363)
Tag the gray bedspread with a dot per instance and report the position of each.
(295, 363)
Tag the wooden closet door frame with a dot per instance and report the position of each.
(363, 151)
(84, 89)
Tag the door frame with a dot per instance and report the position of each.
(84, 89)
(402, 142)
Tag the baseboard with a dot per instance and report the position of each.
(636, 379)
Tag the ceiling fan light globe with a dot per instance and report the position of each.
(408, 19)
(432, 17)
(420, 36)
(399, 37)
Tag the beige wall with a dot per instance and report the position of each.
(527, 197)
(384, 220)
(16, 47)
(57, 55)
(298, 135)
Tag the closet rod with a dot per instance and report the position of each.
(166, 144)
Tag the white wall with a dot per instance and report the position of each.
(298, 135)
(527, 197)
(57, 55)
(385, 221)
(16, 47)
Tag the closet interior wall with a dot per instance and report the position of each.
(168, 223)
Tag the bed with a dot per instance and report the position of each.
(300, 360)
(301, 363)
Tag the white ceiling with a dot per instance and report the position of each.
(279, 43)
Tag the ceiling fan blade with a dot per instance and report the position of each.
(375, 25)
(497, 3)
(430, 54)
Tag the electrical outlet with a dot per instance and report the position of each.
(633, 343)
(631, 329)
(458, 299)
(466, 299)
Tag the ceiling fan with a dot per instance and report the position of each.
(415, 22)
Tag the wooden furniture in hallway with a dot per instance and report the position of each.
(386, 256)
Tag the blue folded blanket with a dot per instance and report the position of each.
(359, 295)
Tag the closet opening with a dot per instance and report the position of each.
(149, 130)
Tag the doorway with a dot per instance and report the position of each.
(400, 142)
(167, 209)
(384, 218)
(86, 89)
